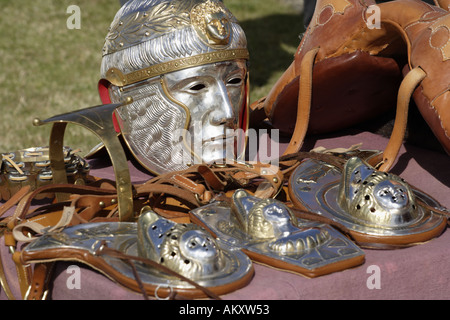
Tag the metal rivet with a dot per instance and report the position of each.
(128, 100)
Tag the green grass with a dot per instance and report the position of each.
(48, 69)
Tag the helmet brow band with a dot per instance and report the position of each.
(116, 77)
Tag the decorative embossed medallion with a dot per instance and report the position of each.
(211, 20)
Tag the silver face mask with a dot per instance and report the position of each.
(182, 66)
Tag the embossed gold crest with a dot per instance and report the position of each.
(211, 20)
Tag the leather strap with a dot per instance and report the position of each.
(25, 203)
(201, 179)
(210, 178)
(168, 190)
(304, 102)
(105, 250)
(14, 199)
(23, 274)
(39, 283)
(4, 282)
(407, 87)
(39, 227)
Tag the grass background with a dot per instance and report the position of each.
(47, 69)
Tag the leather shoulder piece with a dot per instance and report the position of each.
(369, 58)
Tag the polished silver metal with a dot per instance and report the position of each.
(161, 240)
(267, 227)
(149, 127)
(364, 200)
(375, 198)
(184, 248)
(214, 95)
(183, 64)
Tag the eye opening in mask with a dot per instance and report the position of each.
(198, 87)
(235, 80)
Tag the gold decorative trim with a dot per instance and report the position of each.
(146, 23)
(211, 20)
(117, 78)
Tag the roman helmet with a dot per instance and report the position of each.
(180, 69)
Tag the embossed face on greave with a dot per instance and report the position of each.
(391, 195)
(197, 245)
(374, 197)
(191, 251)
(183, 66)
(185, 248)
(261, 218)
(272, 220)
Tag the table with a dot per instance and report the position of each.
(418, 272)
